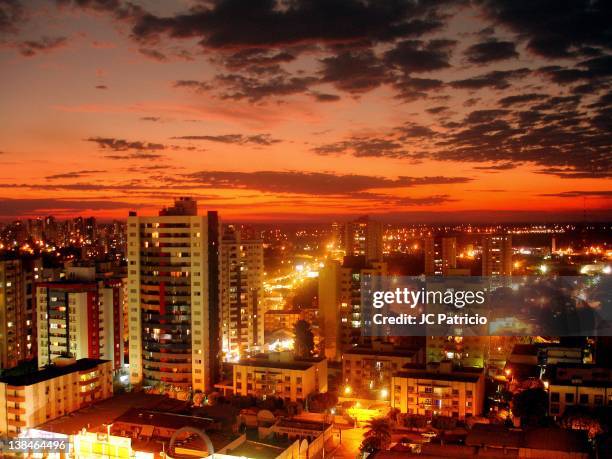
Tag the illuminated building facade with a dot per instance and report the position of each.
(576, 385)
(17, 311)
(497, 255)
(35, 398)
(242, 315)
(280, 376)
(74, 320)
(173, 283)
(340, 306)
(439, 389)
(372, 368)
(364, 237)
(440, 255)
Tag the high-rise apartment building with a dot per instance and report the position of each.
(112, 300)
(76, 319)
(341, 312)
(440, 255)
(364, 237)
(242, 315)
(173, 282)
(497, 255)
(17, 313)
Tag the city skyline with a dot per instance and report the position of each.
(445, 112)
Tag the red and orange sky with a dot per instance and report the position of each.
(306, 109)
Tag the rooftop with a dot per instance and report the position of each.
(303, 424)
(163, 419)
(94, 417)
(440, 376)
(255, 449)
(283, 311)
(280, 364)
(51, 372)
(374, 352)
(525, 349)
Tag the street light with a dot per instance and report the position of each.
(384, 393)
(347, 390)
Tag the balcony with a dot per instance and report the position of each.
(15, 398)
(166, 367)
(437, 396)
(88, 381)
(16, 423)
(13, 410)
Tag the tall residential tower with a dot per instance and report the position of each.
(173, 282)
(242, 314)
(364, 237)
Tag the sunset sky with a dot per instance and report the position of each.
(307, 110)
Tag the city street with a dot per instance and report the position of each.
(349, 447)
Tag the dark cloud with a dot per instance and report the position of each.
(150, 118)
(573, 173)
(365, 147)
(255, 89)
(599, 66)
(11, 15)
(484, 116)
(560, 103)
(520, 99)
(354, 71)
(123, 10)
(101, 86)
(401, 201)
(315, 183)
(555, 29)
(324, 97)
(497, 79)
(199, 86)
(259, 139)
(18, 207)
(595, 72)
(153, 54)
(135, 156)
(437, 110)
(419, 56)
(30, 48)
(563, 141)
(563, 75)
(410, 88)
(72, 175)
(581, 194)
(412, 130)
(257, 60)
(124, 145)
(265, 23)
(490, 51)
(497, 167)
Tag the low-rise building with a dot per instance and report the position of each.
(585, 386)
(371, 368)
(281, 376)
(440, 389)
(31, 399)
